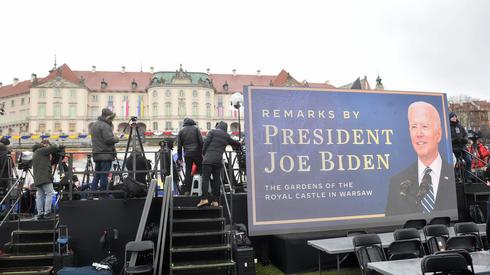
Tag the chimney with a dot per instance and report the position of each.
(258, 72)
(208, 71)
(151, 69)
(16, 81)
(33, 77)
(234, 72)
(93, 68)
(123, 69)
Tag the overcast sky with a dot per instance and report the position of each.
(415, 45)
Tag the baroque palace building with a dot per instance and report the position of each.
(67, 101)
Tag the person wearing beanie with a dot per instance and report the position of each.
(103, 147)
(459, 139)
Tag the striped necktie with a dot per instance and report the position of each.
(428, 202)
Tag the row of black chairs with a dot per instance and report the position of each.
(408, 244)
(421, 223)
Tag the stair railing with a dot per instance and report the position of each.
(7, 196)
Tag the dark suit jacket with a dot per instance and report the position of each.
(399, 205)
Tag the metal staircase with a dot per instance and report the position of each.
(199, 243)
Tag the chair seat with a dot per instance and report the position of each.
(139, 269)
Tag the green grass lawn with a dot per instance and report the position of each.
(272, 270)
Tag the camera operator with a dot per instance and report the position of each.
(43, 176)
(141, 164)
(479, 152)
(459, 139)
(4, 162)
(103, 147)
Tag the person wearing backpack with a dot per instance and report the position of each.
(213, 149)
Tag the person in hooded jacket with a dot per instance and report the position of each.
(213, 149)
(103, 147)
(190, 139)
(43, 177)
(459, 139)
(4, 163)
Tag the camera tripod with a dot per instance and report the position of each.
(134, 134)
(89, 170)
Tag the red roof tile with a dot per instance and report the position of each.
(236, 82)
(64, 72)
(283, 78)
(116, 81)
(321, 85)
(20, 88)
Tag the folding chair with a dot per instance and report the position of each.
(440, 220)
(436, 237)
(142, 246)
(462, 252)
(448, 263)
(469, 228)
(368, 249)
(405, 249)
(406, 234)
(417, 224)
(466, 242)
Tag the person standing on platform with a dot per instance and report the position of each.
(103, 148)
(4, 163)
(459, 139)
(213, 149)
(190, 139)
(43, 177)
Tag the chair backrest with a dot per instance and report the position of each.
(367, 248)
(440, 220)
(406, 234)
(436, 236)
(405, 249)
(417, 224)
(436, 230)
(469, 228)
(462, 252)
(466, 242)
(448, 263)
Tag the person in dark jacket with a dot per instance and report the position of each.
(213, 149)
(43, 177)
(103, 147)
(141, 164)
(4, 165)
(190, 139)
(459, 139)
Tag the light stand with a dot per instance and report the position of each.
(236, 100)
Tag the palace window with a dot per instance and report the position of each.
(155, 93)
(57, 127)
(168, 93)
(168, 125)
(208, 94)
(194, 93)
(41, 127)
(72, 127)
(155, 126)
(72, 110)
(208, 109)
(155, 109)
(41, 110)
(42, 94)
(181, 93)
(57, 93)
(12, 103)
(168, 108)
(22, 101)
(208, 126)
(73, 94)
(195, 109)
(57, 110)
(182, 111)
(95, 98)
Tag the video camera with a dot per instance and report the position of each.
(24, 160)
(473, 136)
(58, 155)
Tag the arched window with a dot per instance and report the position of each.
(208, 109)
(155, 109)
